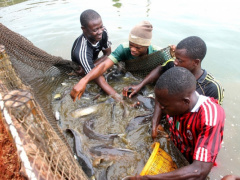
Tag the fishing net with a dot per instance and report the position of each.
(25, 77)
(28, 76)
(142, 66)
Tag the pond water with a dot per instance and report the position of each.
(54, 25)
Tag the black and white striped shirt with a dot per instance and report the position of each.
(85, 53)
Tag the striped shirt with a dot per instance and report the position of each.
(206, 85)
(198, 134)
(85, 53)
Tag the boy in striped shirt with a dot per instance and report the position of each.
(196, 123)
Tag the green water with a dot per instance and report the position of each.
(54, 25)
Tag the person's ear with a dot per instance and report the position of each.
(186, 101)
(196, 62)
(83, 28)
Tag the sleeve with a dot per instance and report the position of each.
(215, 90)
(118, 54)
(167, 65)
(106, 42)
(211, 134)
(73, 56)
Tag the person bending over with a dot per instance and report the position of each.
(196, 124)
(189, 53)
(139, 45)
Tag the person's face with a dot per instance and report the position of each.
(182, 60)
(94, 30)
(137, 50)
(171, 104)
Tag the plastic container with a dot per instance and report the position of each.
(159, 162)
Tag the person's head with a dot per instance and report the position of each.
(175, 91)
(190, 53)
(92, 26)
(140, 38)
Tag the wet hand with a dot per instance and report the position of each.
(77, 91)
(133, 89)
(154, 133)
(117, 97)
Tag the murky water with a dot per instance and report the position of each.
(54, 25)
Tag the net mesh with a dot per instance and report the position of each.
(142, 66)
(25, 75)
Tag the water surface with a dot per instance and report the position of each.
(54, 25)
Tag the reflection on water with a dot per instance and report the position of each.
(54, 25)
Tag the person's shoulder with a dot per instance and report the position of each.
(215, 85)
(78, 41)
(211, 108)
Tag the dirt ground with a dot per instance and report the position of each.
(9, 160)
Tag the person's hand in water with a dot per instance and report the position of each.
(131, 90)
(78, 90)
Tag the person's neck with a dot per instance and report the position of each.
(198, 72)
(194, 101)
(93, 42)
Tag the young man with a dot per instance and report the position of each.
(196, 124)
(139, 45)
(189, 53)
(87, 46)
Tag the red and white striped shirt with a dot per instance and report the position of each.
(198, 134)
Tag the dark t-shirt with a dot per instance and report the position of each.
(85, 53)
(206, 85)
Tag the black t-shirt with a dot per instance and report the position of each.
(206, 85)
(85, 53)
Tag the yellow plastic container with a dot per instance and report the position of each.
(159, 162)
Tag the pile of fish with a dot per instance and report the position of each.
(108, 144)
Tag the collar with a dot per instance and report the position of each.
(94, 45)
(202, 77)
(150, 49)
(201, 99)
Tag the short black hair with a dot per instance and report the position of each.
(88, 15)
(176, 80)
(195, 47)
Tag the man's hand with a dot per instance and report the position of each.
(134, 90)
(154, 133)
(172, 50)
(78, 90)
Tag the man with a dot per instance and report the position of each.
(196, 124)
(87, 46)
(139, 45)
(189, 53)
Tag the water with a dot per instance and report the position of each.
(54, 25)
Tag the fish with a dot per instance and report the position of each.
(89, 132)
(114, 75)
(147, 103)
(107, 152)
(84, 111)
(102, 175)
(139, 120)
(83, 160)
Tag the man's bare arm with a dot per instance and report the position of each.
(97, 71)
(150, 78)
(198, 170)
